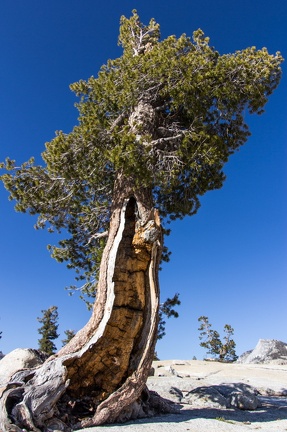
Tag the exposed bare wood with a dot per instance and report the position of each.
(100, 375)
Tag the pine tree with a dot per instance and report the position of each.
(224, 350)
(228, 346)
(156, 127)
(69, 336)
(167, 309)
(48, 330)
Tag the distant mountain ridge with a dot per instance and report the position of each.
(266, 351)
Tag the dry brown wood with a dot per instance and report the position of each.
(100, 376)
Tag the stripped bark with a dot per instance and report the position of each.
(100, 376)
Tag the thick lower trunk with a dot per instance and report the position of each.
(100, 376)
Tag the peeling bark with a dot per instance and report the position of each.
(100, 376)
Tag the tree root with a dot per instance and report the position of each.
(77, 414)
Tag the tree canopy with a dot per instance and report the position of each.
(167, 113)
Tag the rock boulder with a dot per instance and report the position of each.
(241, 396)
(206, 397)
(20, 358)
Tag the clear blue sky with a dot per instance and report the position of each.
(229, 261)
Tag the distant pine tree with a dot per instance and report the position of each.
(69, 335)
(226, 349)
(48, 331)
(167, 309)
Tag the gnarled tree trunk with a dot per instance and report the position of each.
(100, 376)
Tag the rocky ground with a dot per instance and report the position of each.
(210, 396)
(214, 396)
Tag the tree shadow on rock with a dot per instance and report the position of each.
(214, 402)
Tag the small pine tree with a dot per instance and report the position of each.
(48, 330)
(225, 350)
(69, 335)
(228, 348)
(167, 309)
